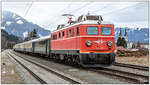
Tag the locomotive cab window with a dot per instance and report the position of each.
(106, 31)
(92, 30)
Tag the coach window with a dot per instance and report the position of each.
(77, 31)
(69, 32)
(63, 34)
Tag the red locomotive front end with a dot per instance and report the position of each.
(89, 42)
(97, 44)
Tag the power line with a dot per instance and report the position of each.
(28, 9)
(101, 8)
(60, 13)
(119, 10)
(85, 5)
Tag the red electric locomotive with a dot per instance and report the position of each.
(89, 42)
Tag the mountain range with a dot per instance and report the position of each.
(134, 34)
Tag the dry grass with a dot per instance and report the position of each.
(142, 60)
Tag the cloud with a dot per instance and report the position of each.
(138, 12)
(49, 14)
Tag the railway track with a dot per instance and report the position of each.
(127, 76)
(132, 66)
(60, 74)
(30, 71)
(133, 77)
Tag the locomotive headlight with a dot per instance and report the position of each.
(89, 43)
(109, 43)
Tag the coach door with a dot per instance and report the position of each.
(47, 46)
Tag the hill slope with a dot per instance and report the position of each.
(16, 25)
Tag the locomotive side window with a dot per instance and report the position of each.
(63, 34)
(59, 35)
(92, 30)
(54, 37)
(106, 31)
(77, 31)
(70, 32)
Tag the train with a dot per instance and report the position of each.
(89, 42)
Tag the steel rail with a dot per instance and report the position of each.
(30, 71)
(132, 66)
(62, 75)
(136, 78)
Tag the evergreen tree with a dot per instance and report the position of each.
(34, 33)
(119, 41)
(124, 43)
(31, 35)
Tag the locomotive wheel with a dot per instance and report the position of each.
(74, 60)
(78, 61)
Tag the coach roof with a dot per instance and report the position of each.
(36, 40)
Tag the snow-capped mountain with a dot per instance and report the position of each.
(134, 34)
(16, 25)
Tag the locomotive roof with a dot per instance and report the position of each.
(36, 40)
(82, 23)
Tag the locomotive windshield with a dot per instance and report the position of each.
(106, 31)
(92, 30)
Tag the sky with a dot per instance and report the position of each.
(49, 14)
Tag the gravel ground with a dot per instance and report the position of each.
(142, 60)
(50, 78)
(82, 74)
(9, 74)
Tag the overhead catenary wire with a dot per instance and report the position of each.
(85, 5)
(52, 22)
(28, 9)
(119, 10)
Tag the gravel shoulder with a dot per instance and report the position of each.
(9, 73)
(142, 60)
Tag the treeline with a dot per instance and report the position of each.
(32, 35)
(7, 41)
